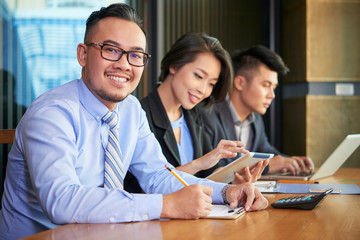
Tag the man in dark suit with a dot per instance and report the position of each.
(256, 72)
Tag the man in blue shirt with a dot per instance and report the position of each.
(55, 172)
(256, 72)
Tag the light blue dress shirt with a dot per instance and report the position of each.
(55, 171)
(185, 147)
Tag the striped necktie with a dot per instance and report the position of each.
(114, 175)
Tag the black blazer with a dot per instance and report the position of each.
(161, 127)
(220, 125)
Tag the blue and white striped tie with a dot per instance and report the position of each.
(114, 175)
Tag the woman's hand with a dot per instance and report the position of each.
(224, 149)
(250, 175)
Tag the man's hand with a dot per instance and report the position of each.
(250, 175)
(246, 194)
(190, 202)
(294, 164)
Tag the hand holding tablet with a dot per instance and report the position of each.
(226, 174)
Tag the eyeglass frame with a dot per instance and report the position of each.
(102, 45)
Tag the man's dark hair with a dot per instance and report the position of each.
(118, 10)
(244, 62)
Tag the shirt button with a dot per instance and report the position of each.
(112, 219)
(145, 217)
(98, 118)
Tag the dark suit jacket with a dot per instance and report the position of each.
(220, 125)
(161, 127)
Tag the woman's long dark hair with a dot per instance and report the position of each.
(187, 48)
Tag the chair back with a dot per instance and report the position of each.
(7, 136)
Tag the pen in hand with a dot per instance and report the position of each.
(177, 176)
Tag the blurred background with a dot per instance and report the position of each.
(316, 105)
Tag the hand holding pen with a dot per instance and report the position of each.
(245, 194)
(191, 202)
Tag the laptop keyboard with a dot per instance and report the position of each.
(303, 174)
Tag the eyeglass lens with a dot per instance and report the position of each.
(134, 57)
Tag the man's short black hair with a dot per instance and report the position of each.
(118, 10)
(250, 59)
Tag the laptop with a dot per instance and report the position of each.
(328, 168)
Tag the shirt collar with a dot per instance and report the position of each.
(236, 119)
(93, 105)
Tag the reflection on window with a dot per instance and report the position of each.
(76, 3)
(39, 41)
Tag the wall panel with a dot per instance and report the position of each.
(328, 120)
(333, 36)
(321, 47)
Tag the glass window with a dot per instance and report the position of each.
(38, 52)
(39, 41)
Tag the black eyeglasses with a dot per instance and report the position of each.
(114, 53)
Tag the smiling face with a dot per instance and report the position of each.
(109, 81)
(257, 93)
(195, 81)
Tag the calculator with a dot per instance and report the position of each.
(306, 202)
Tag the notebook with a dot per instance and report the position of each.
(329, 167)
(225, 212)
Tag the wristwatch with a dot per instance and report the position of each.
(223, 194)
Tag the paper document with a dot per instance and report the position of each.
(318, 188)
(274, 187)
(225, 212)
(266, 186)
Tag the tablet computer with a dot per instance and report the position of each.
(226, 174)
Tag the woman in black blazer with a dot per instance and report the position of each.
(195, 70)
